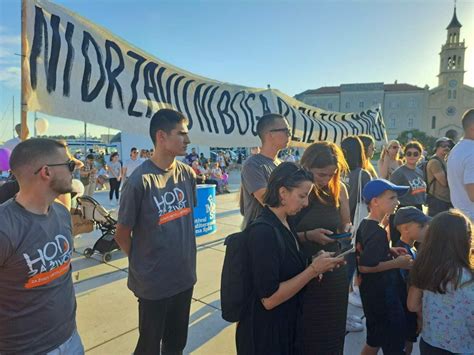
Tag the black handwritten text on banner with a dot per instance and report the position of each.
(81, 71)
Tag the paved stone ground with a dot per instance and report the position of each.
(107, 311)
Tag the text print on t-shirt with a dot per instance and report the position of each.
(417, 185)
(49, 262)
(171, 205)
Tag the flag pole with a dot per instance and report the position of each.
(24, 108)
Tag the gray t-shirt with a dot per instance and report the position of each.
(255, 174)
(353, 185)
(158, 206)
(115, 168)
(414, 178)
(37, 302)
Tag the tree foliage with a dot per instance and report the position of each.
(427, 141)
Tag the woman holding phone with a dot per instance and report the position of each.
(325, 299)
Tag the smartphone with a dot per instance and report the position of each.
(339, 236)
(345, 252)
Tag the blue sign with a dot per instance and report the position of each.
(205, 211)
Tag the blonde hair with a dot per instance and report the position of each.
(390, 143)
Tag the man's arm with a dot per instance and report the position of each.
(470, 191)
(259, 195)
(123, 237)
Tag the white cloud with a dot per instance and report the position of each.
(10, 77)
(10, 40)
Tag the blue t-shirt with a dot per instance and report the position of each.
(448, 319)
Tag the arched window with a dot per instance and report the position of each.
(449, 94)
(454, 94)
(433, 122)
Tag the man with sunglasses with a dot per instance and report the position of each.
(438, 199)
(37, 302)
(274, 132)
(131, 164)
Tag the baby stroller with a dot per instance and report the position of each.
(94, 211)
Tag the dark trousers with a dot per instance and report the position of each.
(436, 205)
(427, 349)
(114, 187)
(163, 324)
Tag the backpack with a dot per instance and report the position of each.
(236, 277)
(424, 168)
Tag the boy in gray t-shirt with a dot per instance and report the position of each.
(156, 230)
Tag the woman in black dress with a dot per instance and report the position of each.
(325, 299)
(272, 324)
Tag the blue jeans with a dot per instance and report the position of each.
(72, 346)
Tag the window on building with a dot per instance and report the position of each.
(392, 122)
(361, 104)
(348, 105)
(459, 60)
(449, 94)
(410, 122)
(330, 106)
(411, 103)
(454, 94)
(433, 122)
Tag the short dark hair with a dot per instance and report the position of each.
(32, 151)
(468, 119)
(165, 120)
(114, 154)
(366, 140)
(133, 149)
(267, 121)
(288, 175)
(90, 156)
(354, 152)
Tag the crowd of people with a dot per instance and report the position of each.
(321, 231)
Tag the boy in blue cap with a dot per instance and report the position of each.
(413, 226)
(377, 266)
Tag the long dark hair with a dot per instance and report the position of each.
(288, 175)
(445, 253)
(354, 152)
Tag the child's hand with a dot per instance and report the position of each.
(404, 262)
(397, 251)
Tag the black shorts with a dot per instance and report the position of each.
(385, 317)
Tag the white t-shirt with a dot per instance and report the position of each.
(11, 143)
(460, 173)
(131, 165)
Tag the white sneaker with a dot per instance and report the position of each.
(354, 299)
(353, 326)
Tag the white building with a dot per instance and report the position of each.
(404, 106)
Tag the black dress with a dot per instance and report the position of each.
(325, 301)
(276, 331)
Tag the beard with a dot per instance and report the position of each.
(63, 186)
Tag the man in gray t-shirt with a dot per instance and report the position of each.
(274, 132)
(37, 302)
(156, 230)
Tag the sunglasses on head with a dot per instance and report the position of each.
(445, 145)
(71, 165)
(412, 154)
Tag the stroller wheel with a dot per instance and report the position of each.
(88, 252)
(106, 257)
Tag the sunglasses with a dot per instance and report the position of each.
(286, 130)
(71, 165)
(412, 154)
(395, 147)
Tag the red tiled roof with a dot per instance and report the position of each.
(337, 89)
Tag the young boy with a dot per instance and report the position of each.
(413, 226)
(378, 266)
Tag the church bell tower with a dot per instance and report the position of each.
(451, 69)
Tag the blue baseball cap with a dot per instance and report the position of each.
(376, 187)
(410, 214)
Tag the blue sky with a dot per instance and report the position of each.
(292, 45)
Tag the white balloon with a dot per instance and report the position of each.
(77, 187)
(41, 125)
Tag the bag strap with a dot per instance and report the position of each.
(280, 241)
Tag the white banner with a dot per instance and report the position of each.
(81, 71)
